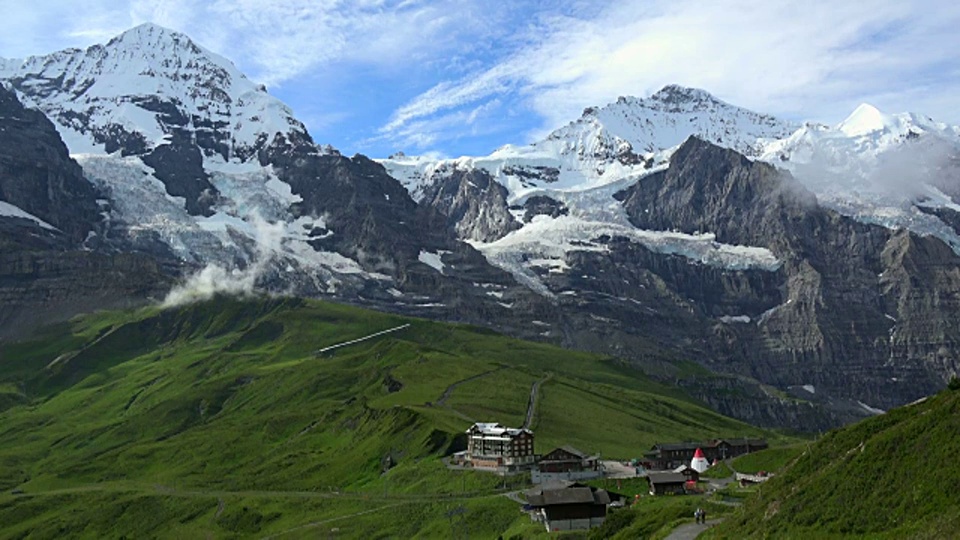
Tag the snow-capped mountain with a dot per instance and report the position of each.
(896, 170)
(890, 169)
(655, 228)
(181, 146)
(625, 138)
(146, 86)
(577, 169)
(601, 196)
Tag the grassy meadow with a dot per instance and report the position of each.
(219, 420)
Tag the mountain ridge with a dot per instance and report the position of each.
(534, 240)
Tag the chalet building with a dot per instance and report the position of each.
(566, 463)
(691, 474)
(493, 446)
(568, 506)
(663, 483)
(666, 456)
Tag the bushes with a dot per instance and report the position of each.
(614, 523)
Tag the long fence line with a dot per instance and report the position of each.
(358, 340)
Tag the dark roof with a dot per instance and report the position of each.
(745, 442)
(574, 451)
(567, 493)
(678, 446)
(562, 496)
(666, 478)
(553, 484)
(707, 444)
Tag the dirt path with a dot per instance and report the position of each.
(532, 402)
(452, 387)
(689, 531)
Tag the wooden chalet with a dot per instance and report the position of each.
(568, 459)
(566, 463)
(568, 506)
(691, 474)
(664, 483)
(666, 456)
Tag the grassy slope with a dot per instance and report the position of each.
(887, 477)
(193, 415)
(769, 460)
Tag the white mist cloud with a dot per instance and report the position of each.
(214, 279)
(904, 170)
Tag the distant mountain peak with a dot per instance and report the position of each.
(146, 87)
(147, 31)
(864, 119)
(674, 93)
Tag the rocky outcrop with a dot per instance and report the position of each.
(372, 219)
(179, 165)
(38, 176)
(42, 287)
(846, 285)
(473, 202)
(50, 275)
(541, 205)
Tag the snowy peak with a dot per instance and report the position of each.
(664, 120)
(865, 119)
(677, 95)
(146, 86)
(624, 139)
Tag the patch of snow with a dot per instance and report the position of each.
(432, 260)
(809, 388)
(546, 241)
(10, 210)
(869, 409)
(728, 319)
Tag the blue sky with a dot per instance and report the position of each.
(457, 77)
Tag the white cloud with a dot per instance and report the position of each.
(815, 59)
(272, 40)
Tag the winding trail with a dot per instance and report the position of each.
(452, 387)
(689, 531)
(532, 402)
(358, 340)
(446, 393)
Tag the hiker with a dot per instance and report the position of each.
(696, 514)
(703, 517)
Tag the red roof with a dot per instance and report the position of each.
(698, 454)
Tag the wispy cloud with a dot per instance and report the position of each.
(274, 40)
(418, 74)
(810, 60)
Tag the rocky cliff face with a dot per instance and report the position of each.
(37, 175)
(692, 261)
(838, 327)
(48, 271)
(474, 204)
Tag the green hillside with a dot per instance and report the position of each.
(220, 419)
(889, 477)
